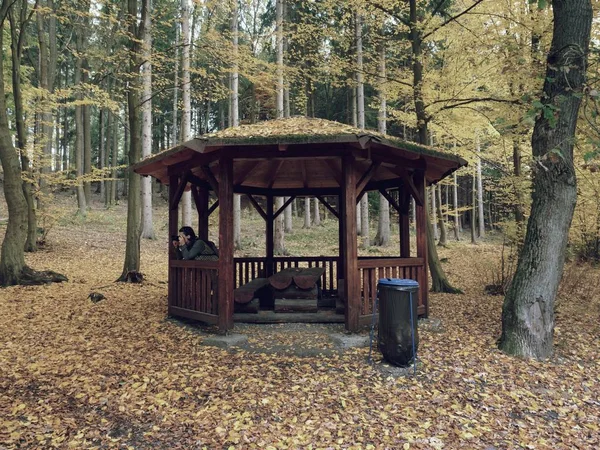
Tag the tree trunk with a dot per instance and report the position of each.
(279, 243)
(12, 257)
(473, 209)
(480, 206)
(443, 240)
(234, 117)
(360, 92)
(307, 212)
(456, 213)
(382, 238)
(237, 229)
(288, 217)
(436, 234)
(528, 310)
(439, 281)
(131, 265)
(79, 132)
(186, 118)
(147, 225)
(519, 214)
(364, 220)
(279, 47)
(316, 215)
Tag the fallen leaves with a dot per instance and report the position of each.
(118, 374)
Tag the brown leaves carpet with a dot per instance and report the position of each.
(118, 374)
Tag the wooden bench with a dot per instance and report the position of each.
(245, 294)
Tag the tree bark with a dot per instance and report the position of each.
(440, 216)
(186, 118)
(480, 206)
(12, 257)
(79, 132)
(456, 213)
(317, 214)
(147, 225)
(364, 220)
(307, 212)
(528, 310)
(474, 209)
(279, 243)
(131, 265)
(288, 217)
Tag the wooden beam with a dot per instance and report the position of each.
(409, 183)
(304, 173)
(188, 164)
(197, 181)
(351, 279)
(213, 207)
(180, 189)
(272, 172)
(390, 199)
(226, 277)
(404, 224)
(335, 170)
(285, 205)
(258, 208)
(421, 213)
(245, 171)
(360, 186)
(286, 192)
(328, 206)
(270, 249)
(211, 178)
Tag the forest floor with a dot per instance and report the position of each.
(119, 374)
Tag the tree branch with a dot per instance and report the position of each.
(466, 101)
(391, 12)
(451, 19)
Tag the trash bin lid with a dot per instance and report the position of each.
(398, 282)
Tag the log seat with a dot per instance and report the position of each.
(245, 293)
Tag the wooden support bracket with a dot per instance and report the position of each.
(258, 208)
(285, 205)
(180, 190)
(214, 184)
(328, 206)
(212, 207)
(390, 199)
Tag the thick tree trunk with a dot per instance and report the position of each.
(288, 217)
(12, 258)
(528, 311)
(131, 266)
(473, 210)
(364, 220)
(436, 233)
(79, 132)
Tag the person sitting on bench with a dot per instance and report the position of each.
(188, 246)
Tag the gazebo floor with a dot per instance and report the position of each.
(325, 315)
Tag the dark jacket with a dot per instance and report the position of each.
(198, 250)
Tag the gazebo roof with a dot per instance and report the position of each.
(299, 155)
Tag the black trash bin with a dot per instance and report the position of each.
(398, 338)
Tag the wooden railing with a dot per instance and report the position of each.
(193, 290)
(247, 269)
(371, 269)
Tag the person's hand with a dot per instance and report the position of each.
(175, 244)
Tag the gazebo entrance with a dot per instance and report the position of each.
(287, 158)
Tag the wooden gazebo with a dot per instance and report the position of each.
(295, 157)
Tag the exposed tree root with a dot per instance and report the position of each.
(131, 277)
(30, 277)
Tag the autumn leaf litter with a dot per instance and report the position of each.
(118, 374)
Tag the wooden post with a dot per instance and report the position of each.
(341, 253)
(403, 223)
(269, 269)
(351, 276)
(421, 211)
(173, 230)
(226, 276)
(202, 207)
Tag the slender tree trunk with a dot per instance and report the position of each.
(480, 206)
(186, 119)
(307, 212)
(279, 47)
(456, 213)
(279, 243)
(364, 220)
(234, 117)
(528, 311)
(174, 129)
(79, 132)
(288, 217)
(108, 152)
(115, 162)
(382, 238)
(147, 225)
(474, 209)
(436, 234)
(316, 215)
(443, 240)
